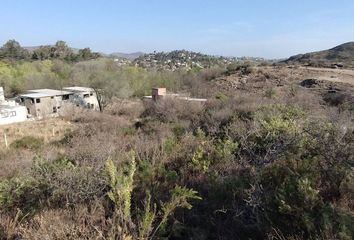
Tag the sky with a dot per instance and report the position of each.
(258, 28)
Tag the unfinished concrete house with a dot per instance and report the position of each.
(44, 102)
(84, 97)
(161, 93)
(10, 111)
(158, 93)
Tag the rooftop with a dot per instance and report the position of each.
(78, 89)
(41, 93)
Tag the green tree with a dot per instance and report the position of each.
(13, 50)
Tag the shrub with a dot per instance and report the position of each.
(28, 142)
(150, 219)
(270, 93)
(68, 183)
(25, 193)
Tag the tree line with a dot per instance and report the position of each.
(12, 50)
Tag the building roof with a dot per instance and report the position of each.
(78, 89)
(41, 93)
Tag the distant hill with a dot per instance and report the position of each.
(130, 56)
(340, 56)
(180, 59)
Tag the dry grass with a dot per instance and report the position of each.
(51, 129)
(80, 223)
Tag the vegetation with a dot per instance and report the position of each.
(182, 59)
(12, 50)
(337, 57)
(267, 159)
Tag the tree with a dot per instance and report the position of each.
(61, 50)
(42, 53)
(13, 50)
(86, 54)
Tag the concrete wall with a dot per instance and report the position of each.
(158, 93)
(85, 99)
(2, 95)
(10, 115)
(46, 106)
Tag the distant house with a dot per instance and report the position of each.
(158, 93)
(84, 97)
(161, 93)
(41, 103)
(44, 102)
(47, 102)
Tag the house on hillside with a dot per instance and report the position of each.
(44, 102)
(84, 97)
(41, 103)
(49, 102)
(161, 93)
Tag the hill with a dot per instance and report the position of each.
(180, 59)
(340, 56)
(129, 56)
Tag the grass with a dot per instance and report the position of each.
(48, 130)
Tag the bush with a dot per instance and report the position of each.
(24, 193)
(28, 142)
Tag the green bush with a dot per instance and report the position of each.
(25, 193)
(28, 142)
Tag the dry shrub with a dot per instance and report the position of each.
(219, 113)
(93, 148)
(307, 99)
(83, 222)
(172, 110)
(68, 184)
(69, 112)
(51, 129)
(125, 108)
(15, 162)
(150, 148)
(99, 137)
(212, 73)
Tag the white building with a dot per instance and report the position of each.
(10, 111)
(2, 95)
(83, 96)
(12, 114)
(41, 103)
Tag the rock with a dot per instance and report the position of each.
(310, 83)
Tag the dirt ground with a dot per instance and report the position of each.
(263, 78)
(50, 129)
(329, 74)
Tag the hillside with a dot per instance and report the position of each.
(129, 56)
(176, 59)
(340, 56)
(272, 143)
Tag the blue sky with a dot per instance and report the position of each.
(265, 28)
